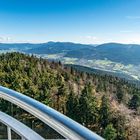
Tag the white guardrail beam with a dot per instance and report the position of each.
(22, 130)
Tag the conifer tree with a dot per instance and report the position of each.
(104, 111)
(119, 94)
(110, 132)
(134, 102)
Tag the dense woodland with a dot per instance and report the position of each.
(107, 105)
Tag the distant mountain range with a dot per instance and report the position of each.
(121, 53)
(58, 47)
(54, 46)
(112, 57)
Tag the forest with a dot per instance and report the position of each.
(107, 105)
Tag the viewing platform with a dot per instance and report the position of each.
(65, 126)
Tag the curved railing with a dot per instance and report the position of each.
(19, 128)
(59, 122)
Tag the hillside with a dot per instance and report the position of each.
(103, 73)
(105, 104)
(17, 46)
(57, 47)
(120, 53)
(113, 57)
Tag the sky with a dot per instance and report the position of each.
(80, 21)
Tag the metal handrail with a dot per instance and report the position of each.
(22, 130)
(59, 122)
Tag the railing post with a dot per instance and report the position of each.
(22, 138)
(9, 133)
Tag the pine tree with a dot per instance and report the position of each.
(119, 94)
(83, 106)
(110, 132)
(119, 123)
(87, 106)
(62, 91)
(72, 106)
(104, 111)
(134, 102)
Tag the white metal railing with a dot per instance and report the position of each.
(19, 128)
(65, 126)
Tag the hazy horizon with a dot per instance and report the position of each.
(67, 42)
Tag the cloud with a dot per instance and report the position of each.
(91, 37)
(133, 17)
(5, 39)
(132, 38)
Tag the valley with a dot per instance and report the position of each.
(110, 57)
(105, 65)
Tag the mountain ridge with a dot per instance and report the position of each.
(108, 56)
